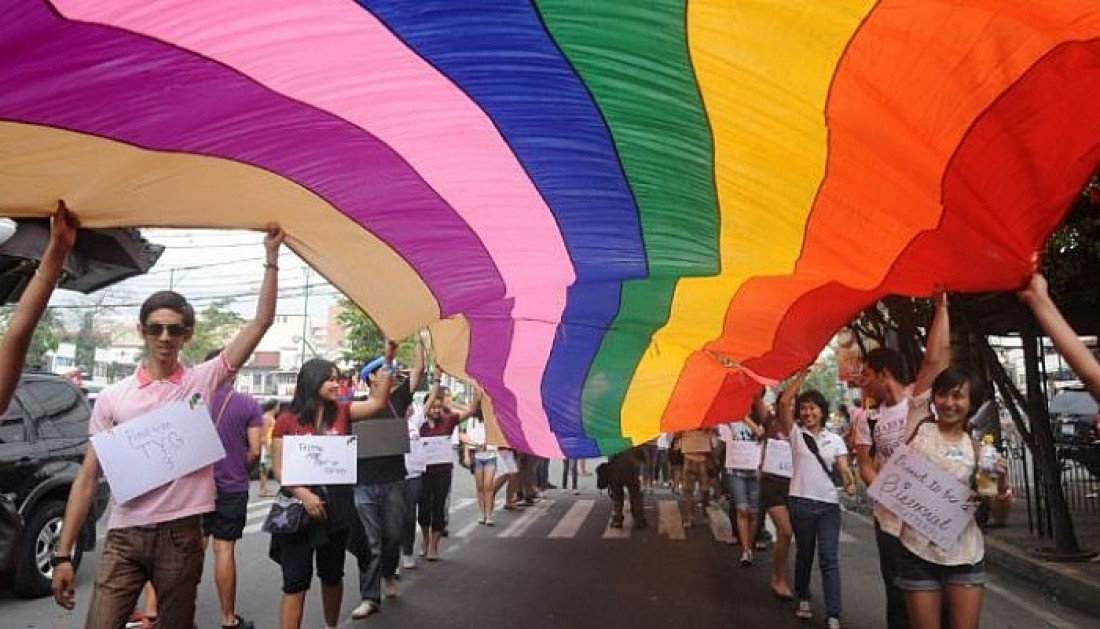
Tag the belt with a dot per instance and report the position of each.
(178, 523)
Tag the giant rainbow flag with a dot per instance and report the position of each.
(618, 217)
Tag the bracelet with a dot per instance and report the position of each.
(271, 265)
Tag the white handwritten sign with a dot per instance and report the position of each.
(437, 450)
(156, 448)
(320, 459)
(925, 497)
(742, 454)
(777, 458)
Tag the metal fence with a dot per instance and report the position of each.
(1079, 475)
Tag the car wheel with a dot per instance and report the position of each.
(43, 531)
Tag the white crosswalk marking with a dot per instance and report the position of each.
(460, 504)
(573, 519)
(846, 538)
(520, 526)
(668, 519)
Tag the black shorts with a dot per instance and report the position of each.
(226, 521)
(774, 491)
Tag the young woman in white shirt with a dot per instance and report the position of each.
(814, 501)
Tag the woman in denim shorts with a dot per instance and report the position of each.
(934, 579)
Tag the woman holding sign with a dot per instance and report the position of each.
(317, 411)
(935, 578)
(776, 466)
(742, 462)
(814, 501)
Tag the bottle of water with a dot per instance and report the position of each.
(987, 467)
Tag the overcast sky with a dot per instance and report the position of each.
(207, 265)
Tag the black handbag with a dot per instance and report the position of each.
(287, 515)
(11, 532)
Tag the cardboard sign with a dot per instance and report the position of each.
(156, 448)
(925, 497)
(742, 454)
(320, 460)
(437, 450)
(777, 459)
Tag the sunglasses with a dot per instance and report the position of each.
(158, 329)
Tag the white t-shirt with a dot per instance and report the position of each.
(415, 463)
(809, 480)
(889, 429)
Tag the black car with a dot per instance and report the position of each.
(1074, 416)
(43, 436)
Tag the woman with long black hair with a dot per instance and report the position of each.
(316, 410)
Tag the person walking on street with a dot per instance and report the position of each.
(270, 411)
(814, 502)
(239, 422)
(157, 536)
(883, 382)
(316, 410)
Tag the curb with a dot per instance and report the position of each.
(1064, 583)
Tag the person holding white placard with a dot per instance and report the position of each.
(317, 410)
(440, 423)
(776, 466)
(165, 522)
(815, 503)
(885, 384)
(935, 579)
(741, 441)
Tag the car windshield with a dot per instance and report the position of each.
(1073, 403)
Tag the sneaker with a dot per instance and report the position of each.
(761, 544)
(481, 520)
(616, 524)
(832, 623)
(389, 588)
(576, 492)
(408, 562)
(804, 610)
(489, 522)
(746, 559)
(366, 608)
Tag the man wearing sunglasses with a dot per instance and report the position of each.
(157, 536)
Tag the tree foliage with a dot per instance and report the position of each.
(213, 329)
(47, 335)
(363, 339)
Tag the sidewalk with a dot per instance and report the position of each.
(1075, 585)
(1009, 549)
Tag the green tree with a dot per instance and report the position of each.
(362, 337)
(47, 335)
(213, 328)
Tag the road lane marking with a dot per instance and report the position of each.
(520, 526)
(461, 503)
(668, 520)
(466, 530)
(574, 518)
(620, 533)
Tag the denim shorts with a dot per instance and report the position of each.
(918, 575)
(485, 459)
(744, 486)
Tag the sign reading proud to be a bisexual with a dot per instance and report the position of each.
(925, 497)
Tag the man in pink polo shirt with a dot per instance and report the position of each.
(157, 536)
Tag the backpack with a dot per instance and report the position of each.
(603, 476)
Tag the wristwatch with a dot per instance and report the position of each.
(57, 560)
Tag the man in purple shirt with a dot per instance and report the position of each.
(238, 421)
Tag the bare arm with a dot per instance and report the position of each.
(937, 356)
(867, 469)
(81, 495)
(470, 411)
(784, 407)
(757, 429)
(846, 474)
(17, 338)
(254, 434)
(241, 346)
(417, 371)
(1066, 342)
(378, 399)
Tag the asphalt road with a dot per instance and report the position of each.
(557, 565)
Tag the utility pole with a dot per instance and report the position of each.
(305, 322)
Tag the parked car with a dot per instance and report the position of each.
(43, 437)
(1075, 417)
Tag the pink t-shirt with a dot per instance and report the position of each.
(132, 398)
